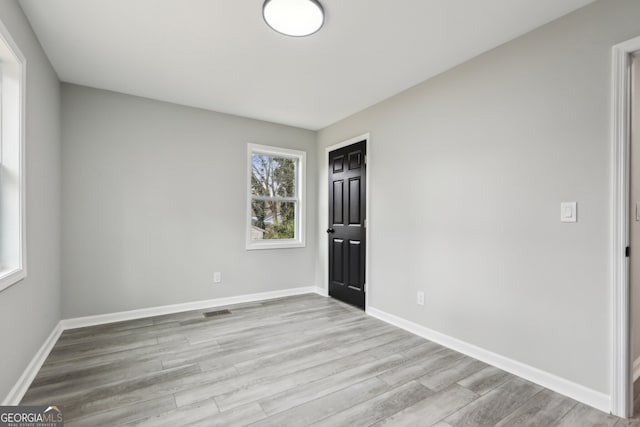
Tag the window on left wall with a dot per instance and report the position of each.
(275, 197)
(12, 186)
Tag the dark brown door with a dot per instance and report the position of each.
(347, 210)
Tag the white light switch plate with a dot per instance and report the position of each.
(568, 212)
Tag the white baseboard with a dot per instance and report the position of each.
(22, 385)
(576, 391)
(636, 369)
(100, 319)
(321, 291)
(563, 386)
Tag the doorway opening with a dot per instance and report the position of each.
(347, 232)
(622, 226)
(634, 230)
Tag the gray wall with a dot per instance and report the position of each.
(154, 202)
(29, 310)
(468, 172)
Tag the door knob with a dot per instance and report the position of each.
(330, 230)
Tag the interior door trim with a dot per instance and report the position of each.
(621, 382)
(324, 241)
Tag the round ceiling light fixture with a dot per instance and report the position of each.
(296, 18)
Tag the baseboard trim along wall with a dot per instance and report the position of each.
(563, 386)
(576, 391)
(100, 319)
(22, 385)
(321, 291)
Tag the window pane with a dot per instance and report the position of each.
(272, 220)
(273, 176)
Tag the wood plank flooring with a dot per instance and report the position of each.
(297, 361)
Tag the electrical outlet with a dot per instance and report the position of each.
(217, 277)
(420, 299)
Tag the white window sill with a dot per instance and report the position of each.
(283, 244)
(11, 276)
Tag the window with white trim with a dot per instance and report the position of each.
(275, 197)
(12, 232)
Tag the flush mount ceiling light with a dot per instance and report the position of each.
(295, 18)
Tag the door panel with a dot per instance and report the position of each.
(355, 261)
(337, 202)
(338, 164)
(355, 160)
(354, 202)
(347, 209)
(338, 261)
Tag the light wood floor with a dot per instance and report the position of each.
(296, 361)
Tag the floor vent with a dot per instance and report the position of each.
(216, 313)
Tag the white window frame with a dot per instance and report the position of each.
(13, 251)
(300, 215)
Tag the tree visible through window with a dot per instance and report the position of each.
(273, 196)
(275, 176)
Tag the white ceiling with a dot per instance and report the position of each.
(220, 55)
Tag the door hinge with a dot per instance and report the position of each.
(364, 288)
(365, 159)
(366, 224)
(627, 251)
